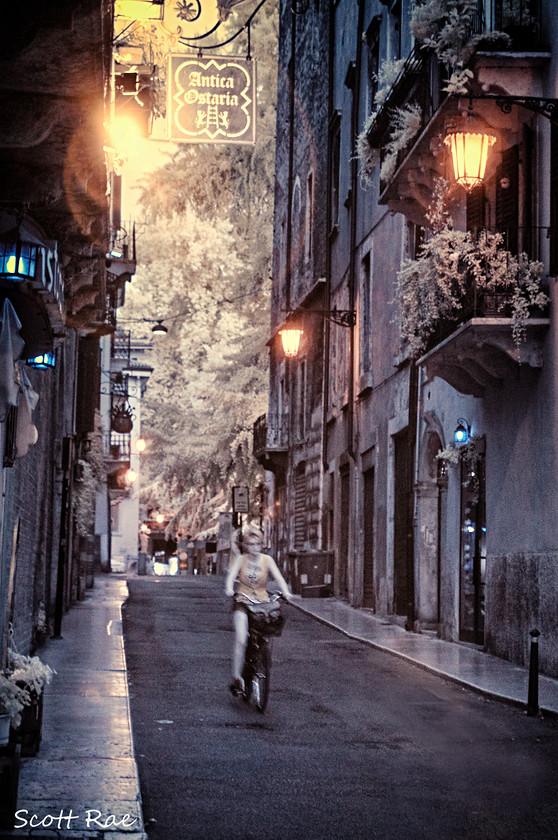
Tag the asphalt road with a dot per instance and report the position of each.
(355, 744)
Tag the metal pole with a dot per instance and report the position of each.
(533, 696)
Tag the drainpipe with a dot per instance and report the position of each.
(292, 75)
(288, 267)
(327, 290)
(411, 443)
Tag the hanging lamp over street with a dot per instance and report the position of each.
(469, 144)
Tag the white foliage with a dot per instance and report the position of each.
(432, 287)
(406, 123)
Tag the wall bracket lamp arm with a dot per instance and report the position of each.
(292, 331)
(543, 106)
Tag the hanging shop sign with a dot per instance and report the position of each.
(240, 500)
(212, 100)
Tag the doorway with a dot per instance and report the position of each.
(473, 550)
(368, 599)
(344, 533)
(401, 524)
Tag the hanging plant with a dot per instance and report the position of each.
(406, 124)
(12, 699)
(468, 453)
(451, 263)
(367, 155)
(446, 27)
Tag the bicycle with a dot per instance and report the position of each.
(264, 621)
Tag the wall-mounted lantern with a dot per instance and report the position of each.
(469, 144)
(290, 339)
(292, 331)
(46, 361)
(130, 476)
(462, 432)
(18, 255)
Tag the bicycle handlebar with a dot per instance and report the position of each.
(274, 596)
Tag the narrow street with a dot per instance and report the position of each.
(354, 744)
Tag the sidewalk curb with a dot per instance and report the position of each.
(141, 834)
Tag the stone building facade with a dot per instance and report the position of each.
(456, 539)
(59, 292)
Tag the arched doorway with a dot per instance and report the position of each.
(431, 513)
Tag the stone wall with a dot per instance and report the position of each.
(521, 595)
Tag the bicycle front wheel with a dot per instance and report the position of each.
(260, 680)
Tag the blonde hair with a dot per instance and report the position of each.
(253, 531)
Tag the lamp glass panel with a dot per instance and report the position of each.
(469, 153)
(290, 339)
(43, 362)
(18, 260)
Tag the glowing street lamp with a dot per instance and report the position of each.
(292, 331)
(140, 445)
(290, 339)
(462, 432)
(18, 255)
(131, 476)
(469, 145)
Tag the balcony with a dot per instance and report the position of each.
(122, 254)
(500, 67)
(271, 441)
(479, 352)
(117, 451)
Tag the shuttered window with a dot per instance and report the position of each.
(10, 432)
(554, 201)
(300, 507)
(476, 210)
(507, 198)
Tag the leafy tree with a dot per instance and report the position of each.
(204, 252)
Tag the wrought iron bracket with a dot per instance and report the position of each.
(342, 317)
(540, 105)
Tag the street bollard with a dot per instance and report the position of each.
(533, 695)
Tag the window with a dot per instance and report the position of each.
(554, 201)
(10, 449)
(300, 507)
(301, 400)
(394, 32)
(365, 309)
(317, 365)
(309, 221)
(297, 226)
(507, 198)
(335, 158)
(372, 37)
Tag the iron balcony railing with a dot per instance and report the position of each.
(530, 240)
(117, 446)
(521, 20)
(271, 431)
